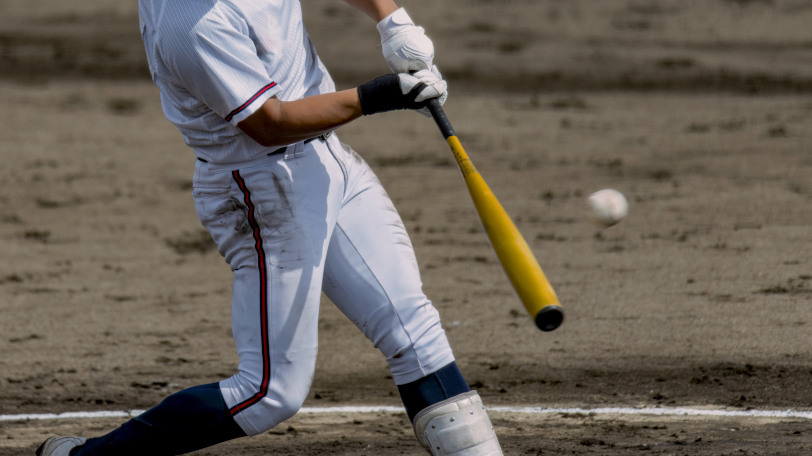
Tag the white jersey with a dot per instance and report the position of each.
(216, 62)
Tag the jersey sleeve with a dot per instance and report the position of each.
(216, 61)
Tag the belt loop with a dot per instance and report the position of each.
(292, 151)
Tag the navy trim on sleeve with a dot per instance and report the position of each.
(251, 100)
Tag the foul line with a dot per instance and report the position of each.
(666, 411)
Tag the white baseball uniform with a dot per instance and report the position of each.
(289, 224)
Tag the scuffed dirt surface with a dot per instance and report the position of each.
(112, 296)
(391, 434)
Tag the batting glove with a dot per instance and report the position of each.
(402, 91)
(405, 46)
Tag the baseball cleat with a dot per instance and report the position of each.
(59, 446)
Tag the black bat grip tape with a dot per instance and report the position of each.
(440, 118)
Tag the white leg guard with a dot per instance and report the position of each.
(458, 426)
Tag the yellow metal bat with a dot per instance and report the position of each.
(514, 254)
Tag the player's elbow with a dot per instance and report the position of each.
(263, 126)
(266, 141)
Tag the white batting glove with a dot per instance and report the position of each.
(436, 87)
(405, 46)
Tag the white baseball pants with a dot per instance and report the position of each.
(291, 225)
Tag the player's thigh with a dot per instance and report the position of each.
(371, 274)
(272, 219)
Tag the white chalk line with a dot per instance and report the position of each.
(659, 411)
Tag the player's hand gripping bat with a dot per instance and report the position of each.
(514, 254)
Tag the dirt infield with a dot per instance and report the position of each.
(700, 112)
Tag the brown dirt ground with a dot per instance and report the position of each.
(112, 297)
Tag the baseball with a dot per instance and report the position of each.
(608, 206)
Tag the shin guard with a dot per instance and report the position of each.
(458, 426)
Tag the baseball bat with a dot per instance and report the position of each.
(518, 261)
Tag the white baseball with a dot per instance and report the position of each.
(608, 206)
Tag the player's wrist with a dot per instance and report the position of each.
(380, 95)
(401, 91)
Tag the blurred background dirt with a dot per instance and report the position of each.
(112, 296)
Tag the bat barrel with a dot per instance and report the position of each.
(514, 254)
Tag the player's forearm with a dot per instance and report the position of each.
(376, 9)
(278, 122)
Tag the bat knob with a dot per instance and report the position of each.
(549, 318)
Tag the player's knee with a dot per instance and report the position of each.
(260, 403)
(410, 360)
(272, 410)
(289, 404)
(408, 333)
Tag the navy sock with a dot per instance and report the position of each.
(433, 388)
(185, 421)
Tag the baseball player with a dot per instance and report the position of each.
(294, 212)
